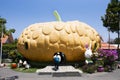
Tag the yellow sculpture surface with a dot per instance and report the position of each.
(40, 41)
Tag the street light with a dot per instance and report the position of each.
(1, 42)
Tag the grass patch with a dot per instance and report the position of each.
(30, 70)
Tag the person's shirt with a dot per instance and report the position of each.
(57, 58)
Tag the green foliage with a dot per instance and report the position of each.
(111, 18)
(2, 20)
(8, 32)
(104, 61)
(35, 64)
(9, 47)
(117, 40)
(3, 27)
(89, 68)
(15, 56)
(30, 70)
(99, 62)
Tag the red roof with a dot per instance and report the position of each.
(4, 39)
(107, 46)
(8, 39)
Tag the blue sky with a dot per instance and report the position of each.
(22, 13)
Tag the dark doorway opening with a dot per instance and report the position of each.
(26, 45)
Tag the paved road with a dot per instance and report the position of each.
(6, 72)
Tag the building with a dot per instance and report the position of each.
(105, 45)
(7, 39)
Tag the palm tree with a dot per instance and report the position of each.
(3, 28)
(4, 32)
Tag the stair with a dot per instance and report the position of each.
(61, 72)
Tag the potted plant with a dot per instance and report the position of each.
(100, 64)
(100, 68)
(13, 65)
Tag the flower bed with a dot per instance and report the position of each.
(105, 60)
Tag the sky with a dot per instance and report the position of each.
(22, 13)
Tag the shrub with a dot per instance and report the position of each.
(110, 55)
(89, 68)
(109, 58)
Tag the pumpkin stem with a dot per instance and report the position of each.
(57, 16)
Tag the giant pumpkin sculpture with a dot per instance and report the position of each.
(40, 41)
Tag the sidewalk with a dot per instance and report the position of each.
(6, 72)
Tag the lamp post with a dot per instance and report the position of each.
(1, 23)
(1, 42)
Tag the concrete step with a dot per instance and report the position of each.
(66, 74)
(62, 71)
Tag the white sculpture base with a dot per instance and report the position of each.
(62, 71)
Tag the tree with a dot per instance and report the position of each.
(112, 18)
(117, 40)
(4, 32)
(3, 28)
(2, 25)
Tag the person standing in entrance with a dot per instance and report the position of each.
(57, 60)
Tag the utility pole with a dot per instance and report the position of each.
(118, 47)
(109, 38)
